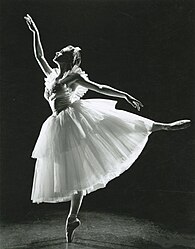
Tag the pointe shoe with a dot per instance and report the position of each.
(70, 229)
(178, 125)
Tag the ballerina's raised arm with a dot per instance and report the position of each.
(75, 78)
(37, 46)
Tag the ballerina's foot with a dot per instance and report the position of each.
(71, 226)
(178, 125)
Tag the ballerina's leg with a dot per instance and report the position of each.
(174, 126)
(72, 221)
(75, 205)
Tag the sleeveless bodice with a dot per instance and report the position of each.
(59, 95)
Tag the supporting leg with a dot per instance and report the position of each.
(72, 221)
(75, 205)
(174, 126)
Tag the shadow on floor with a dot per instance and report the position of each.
(98, 231)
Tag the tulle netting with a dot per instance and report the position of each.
(84, 147)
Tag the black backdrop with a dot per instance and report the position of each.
(142, 47)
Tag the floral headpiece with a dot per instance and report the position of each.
(76, 56)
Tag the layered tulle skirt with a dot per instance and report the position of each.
(84, 147)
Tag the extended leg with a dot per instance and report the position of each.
(174, 126)
(72, 221)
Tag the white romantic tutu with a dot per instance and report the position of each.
(84, 147)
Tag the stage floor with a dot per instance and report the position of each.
(99, 230)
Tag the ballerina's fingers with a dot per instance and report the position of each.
(29, 18)
(28, 25)
(140, 103)
(137, 104)
(134, 104)
(30, 22)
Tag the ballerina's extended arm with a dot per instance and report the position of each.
(103, 89)
(38, 50)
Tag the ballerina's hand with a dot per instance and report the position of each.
(134, 102)
(31, 24)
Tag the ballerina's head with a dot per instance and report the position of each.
(69, 55)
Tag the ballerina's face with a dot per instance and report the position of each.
(65, 55)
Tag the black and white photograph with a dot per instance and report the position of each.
(97, 124)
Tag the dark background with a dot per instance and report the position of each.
(142, 47)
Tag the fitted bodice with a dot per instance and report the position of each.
(59, 95)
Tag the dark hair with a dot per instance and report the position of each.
(76, 54)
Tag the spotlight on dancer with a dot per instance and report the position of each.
(85, 143)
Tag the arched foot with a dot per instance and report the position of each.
(70, 229)
(178, 125)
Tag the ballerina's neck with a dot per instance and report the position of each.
(64, 68)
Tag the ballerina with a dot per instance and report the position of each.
(85, 143)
